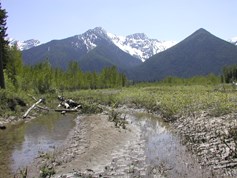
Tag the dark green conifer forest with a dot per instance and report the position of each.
(3, 44)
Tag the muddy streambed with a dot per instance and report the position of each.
(20, 144)
(146, 148)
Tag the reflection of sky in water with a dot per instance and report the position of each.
(161, 146)
(39, 137)
(160, 142)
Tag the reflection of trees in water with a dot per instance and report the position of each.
(51, 126)
(47, 129)
(10, 138)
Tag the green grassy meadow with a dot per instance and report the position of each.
(169, 100)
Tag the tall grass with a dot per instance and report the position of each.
(168, 100)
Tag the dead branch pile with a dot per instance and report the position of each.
(67, 105)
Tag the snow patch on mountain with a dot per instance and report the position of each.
(139, 45)
(91, 38)
(233, 40)
(24, 45)
(89, 42)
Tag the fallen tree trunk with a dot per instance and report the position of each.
(32, 107)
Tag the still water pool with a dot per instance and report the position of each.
(21, 143)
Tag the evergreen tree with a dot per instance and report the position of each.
(3, 44)
(14, 65)
(72, 74)
(229, 74)
(44, 83)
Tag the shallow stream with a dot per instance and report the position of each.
(165, 155)
(21, 143)
(163, 150)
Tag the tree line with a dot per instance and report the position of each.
(229, 74)
(43, 78)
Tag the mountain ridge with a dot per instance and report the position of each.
(200, 53)
(137, 44)
(60, 52)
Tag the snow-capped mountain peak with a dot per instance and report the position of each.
(139, 45)
(90, 39)
(137, 36)
(24, 45)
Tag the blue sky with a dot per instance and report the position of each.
(46, 20)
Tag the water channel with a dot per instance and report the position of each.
(21, 143)
(163, 149)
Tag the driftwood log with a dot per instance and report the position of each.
(67, 105)
(32, 107)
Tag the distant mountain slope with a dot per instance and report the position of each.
(105, 56)
(79, 48)
(199, 54)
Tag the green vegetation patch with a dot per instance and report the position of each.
(11, 103)
(167, 100)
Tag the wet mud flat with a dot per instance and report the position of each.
(95, 147)
(212, 139)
